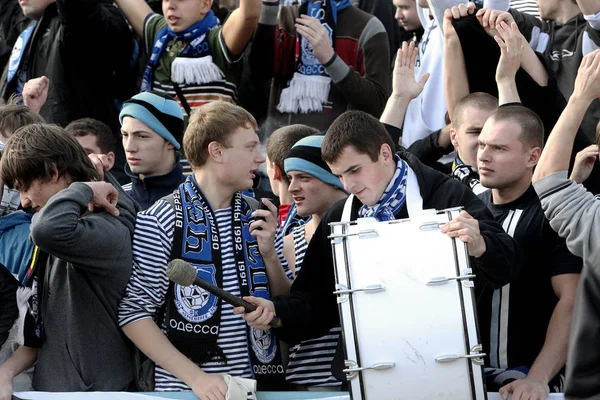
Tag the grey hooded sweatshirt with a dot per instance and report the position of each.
(574, 213)
(86, 273)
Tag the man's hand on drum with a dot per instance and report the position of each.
(259, 318)
(526, 389)
(466, 228)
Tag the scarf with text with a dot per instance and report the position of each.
(193, 315)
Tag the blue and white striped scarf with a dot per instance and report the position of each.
(198, 46)
(393, 198)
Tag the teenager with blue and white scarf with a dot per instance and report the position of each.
(194, 64)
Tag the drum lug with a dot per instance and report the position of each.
(465, 278)
(343, 291)
(338, 238)
(476, 356)
(352, 368)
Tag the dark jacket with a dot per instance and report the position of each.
(85, 48)
(12, 23)
(8, 302)
(153, 188)
(311, 308)
(84, 279)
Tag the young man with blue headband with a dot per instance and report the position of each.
(152, 130)
(315, 190)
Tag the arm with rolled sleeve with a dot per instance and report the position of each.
(370, 92)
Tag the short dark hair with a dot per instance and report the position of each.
(38, 151)
(281, 141)
(479, 100)
(13, 117)
(358, 129)
(532, 128)
(105, 139)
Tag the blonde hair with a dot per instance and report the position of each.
(213, 122)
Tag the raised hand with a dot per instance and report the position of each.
(490, 19)
(584, 163)
(456, 12)
(511, 45)
(311, 29)
(403, 80)
(35, 93)
(587, 83)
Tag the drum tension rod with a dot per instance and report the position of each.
(353, 368)
(343, 289)
(475, 356)
(439, 280)
(337, 238)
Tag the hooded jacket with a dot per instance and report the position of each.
(89, 264)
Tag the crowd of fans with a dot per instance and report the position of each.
(134, 133)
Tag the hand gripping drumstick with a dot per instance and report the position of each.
(184, 274)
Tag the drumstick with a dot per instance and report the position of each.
(184, 274)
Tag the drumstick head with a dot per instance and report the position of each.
(181, 272)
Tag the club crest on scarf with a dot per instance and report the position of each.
(194, 303)
(263, 344)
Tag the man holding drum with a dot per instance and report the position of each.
(358, 149)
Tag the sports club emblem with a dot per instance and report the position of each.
(263, 345)
(308, 54)
(194, 303)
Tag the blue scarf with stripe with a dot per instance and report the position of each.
(197, 46)
(393, 199)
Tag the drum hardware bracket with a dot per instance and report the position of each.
(338, 238)
(465, 276)
(476, 356)
(352, 368)
(343, 291)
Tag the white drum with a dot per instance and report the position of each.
(407, 307)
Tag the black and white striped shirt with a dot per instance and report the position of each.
(310, 361)
(147, 289)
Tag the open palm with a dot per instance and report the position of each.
(404, 81)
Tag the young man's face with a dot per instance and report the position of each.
(39, 192)
(406, 14)
(502, 158)
(361, 176)
(311, 195)
(241, 159)
(181, 14)
(34, 8)
(148, 153)
(465, 137)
